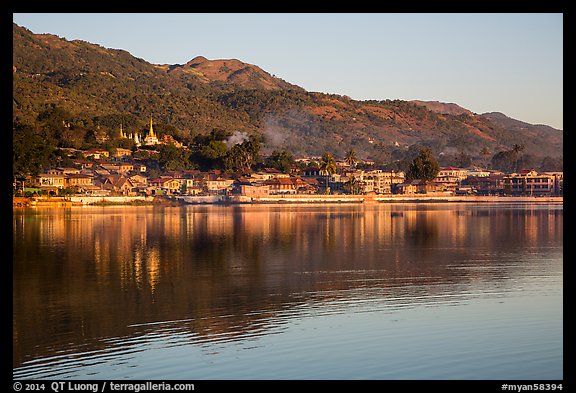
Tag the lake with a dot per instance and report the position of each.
(386, 291)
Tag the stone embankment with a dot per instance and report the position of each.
(366, 199)
(79, 201)
(272, 199)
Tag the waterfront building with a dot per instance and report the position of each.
(281, 185)
(372, 181)
(51, 181)
(289, 185)
(216, 184)
(382, 181)
(254, 190)
(168, 184)
(529, 182)
(452, 174)
(475, 171)
(118, 184)
(493, 184)
(267, 173)
(419, 186)
(80, 182)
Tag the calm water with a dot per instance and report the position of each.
(391, 291)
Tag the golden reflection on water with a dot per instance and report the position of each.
(82, 275)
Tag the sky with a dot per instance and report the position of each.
(485, 62)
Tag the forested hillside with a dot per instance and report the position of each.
(70, 92)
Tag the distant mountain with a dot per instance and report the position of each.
(234, 71)
(442, 107)
(535, 137)
(520, 126)
(100, 88)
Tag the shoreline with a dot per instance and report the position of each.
(273, 199)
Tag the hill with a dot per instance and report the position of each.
(233, 71)
(97, 87)
(442, 107)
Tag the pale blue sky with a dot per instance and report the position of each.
(510, 63)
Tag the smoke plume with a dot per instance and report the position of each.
(236, 138)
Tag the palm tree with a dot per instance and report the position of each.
(352, 183)
(517, 149)
(350, 157)
(328, 167)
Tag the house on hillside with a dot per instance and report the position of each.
(63, 171)
(96, 153)
(138, 167)
(110, 167)
(125, 167)
(169, 139)
(120, 152)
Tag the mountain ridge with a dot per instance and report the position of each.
(100, 86)
(448, 108)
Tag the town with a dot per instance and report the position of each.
(118, 172)
(121, 176)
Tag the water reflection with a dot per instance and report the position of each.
(96, 279)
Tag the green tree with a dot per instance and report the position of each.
(213, 153)
(281, 160)
(174, 158)
(54, 116)
(237, 159)
(242, 156)
(210, 150)
(424, 167)
(30, 152)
